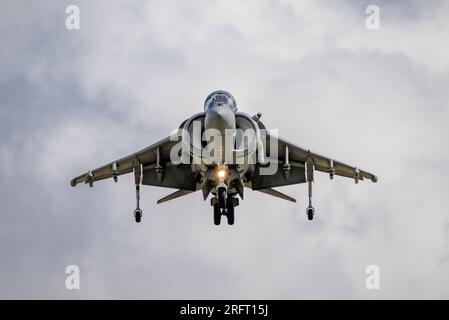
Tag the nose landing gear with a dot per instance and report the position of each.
(221, 194)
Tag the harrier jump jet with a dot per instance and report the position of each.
(220, 152)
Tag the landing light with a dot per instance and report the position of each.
(221, 173)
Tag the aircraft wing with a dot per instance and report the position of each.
(146, 157)
(300, 156)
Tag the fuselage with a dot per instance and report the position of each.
(223, 144)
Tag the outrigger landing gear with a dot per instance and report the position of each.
(138, 215)
(310, 211)
(138, 212)
(138, 181)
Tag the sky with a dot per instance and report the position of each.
(72, 100)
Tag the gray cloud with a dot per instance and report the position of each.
(70, 101)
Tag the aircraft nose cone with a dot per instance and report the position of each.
(220, 122)
(220, 118)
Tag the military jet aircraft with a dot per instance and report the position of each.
(221, 151)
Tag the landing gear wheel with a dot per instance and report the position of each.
(221, 193)
(138, 215)
(310, 213)
(230, 212)
(217, 215)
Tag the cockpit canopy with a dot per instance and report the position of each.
(220, 98)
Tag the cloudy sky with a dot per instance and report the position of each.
(74, 100)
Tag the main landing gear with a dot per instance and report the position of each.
(224, 206)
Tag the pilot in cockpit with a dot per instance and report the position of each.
(220, 98)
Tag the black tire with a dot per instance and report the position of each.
(138, 216)
(310, 212)
(217, 215)
(221, 193)
(230, 212)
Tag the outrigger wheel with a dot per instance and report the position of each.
(138, 215)
(310, 212)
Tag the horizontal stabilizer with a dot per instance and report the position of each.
(277, 194)
(174, 195)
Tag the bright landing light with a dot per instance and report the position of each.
(221, 173)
